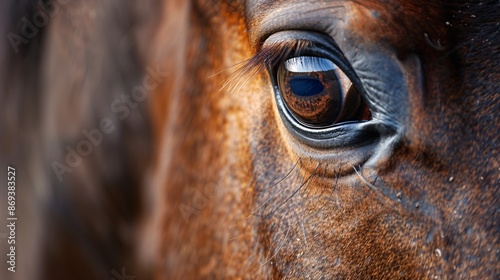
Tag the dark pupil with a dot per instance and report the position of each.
(303, 86)
(311, 90)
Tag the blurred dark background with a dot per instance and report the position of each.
(78, 138)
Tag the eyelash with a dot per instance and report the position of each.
(266, 59)
(278, 52)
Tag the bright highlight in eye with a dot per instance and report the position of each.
(309, 64)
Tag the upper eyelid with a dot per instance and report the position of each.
(285, 44)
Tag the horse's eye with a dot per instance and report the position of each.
(318, 94)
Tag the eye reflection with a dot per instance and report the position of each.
(318, 93)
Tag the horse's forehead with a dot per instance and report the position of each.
(375, 19)
(402, 24)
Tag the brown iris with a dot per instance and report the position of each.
(318, 93)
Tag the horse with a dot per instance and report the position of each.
(257, 139)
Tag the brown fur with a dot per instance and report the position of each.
(203, 183)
